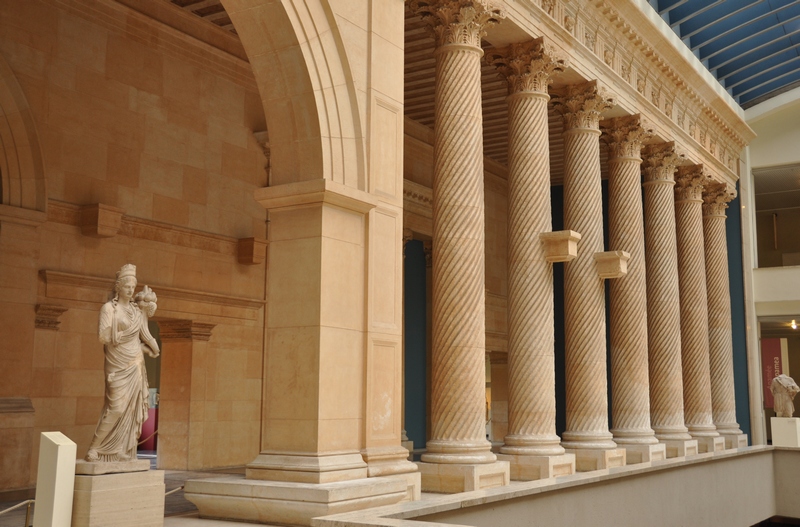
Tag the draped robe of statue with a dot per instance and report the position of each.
(126, 394)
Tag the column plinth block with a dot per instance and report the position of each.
(734, 440)
(287, 503)
(611, 264)
(560, 246)
(637, 453)
(710, 444)
(307, 469)
(530, 468)
(680, 447)
(450, 478)
(587, 460)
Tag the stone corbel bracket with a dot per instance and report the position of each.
(560, 246)
(612, 264)
(101, 221)
(252, 251)
(47, 316)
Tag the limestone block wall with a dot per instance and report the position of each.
(159, 127)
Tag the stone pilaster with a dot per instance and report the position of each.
(720, 345)
(689, 184)
(663, 301)
(459, 457)
(630, 384)
(587, 432)
(531, 439)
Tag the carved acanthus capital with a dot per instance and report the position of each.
(458, 21)
(527, 66)
(716, 197)
(582, 104)
(689, 183)
(47, 316)
(626, 136)
(660, 162)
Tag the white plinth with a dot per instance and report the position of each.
(530, 468)
(680, 447)
(55, 480)
(590, 459)
(735, 441)
(635, 454)
(450, 478)
(132, 499)
(289, 503)
(710, 444)
(786, 431)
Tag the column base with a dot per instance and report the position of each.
(635, 454)
(785, 431)
(287, 503)
(408, 445)
(449, 478)
(734, 440)
(710, 444)
(413, 483)
(587, 460)
(530, 468)
(109, 500)
(680, 447)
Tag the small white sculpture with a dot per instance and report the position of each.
(784, 389)
(123, 331)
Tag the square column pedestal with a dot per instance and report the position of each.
(587, 460)
(680, 447)
(449, 478)
(108, 494)
(786, 431)
(530, 468)
(734, 441)
(710, 444)
(635, 454)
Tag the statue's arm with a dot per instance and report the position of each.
(104, 325)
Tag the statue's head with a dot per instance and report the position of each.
(126, 276)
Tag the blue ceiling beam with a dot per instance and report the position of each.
(769, 40)
(691, 9)
(761, 68)
(747, 60)
(746, 21)
(750, 31)
(782, 72)
(665, 6)
(714, 15)
(771, 87)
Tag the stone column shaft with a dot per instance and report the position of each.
(693, 304)
(584, 295)
(458, 432)
(531, 360)
(723, 395)
(663, 297)
(630, 385)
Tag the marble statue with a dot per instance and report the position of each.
(124, 334)
(784, 389)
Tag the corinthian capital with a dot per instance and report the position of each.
(458, 21)
(626, 136)
(660, 162)
(582, 104)
(527, 66)
(716, 197)
(689, 183)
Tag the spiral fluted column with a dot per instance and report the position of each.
(720, 345)
(584, 293)
(531, 360)
(630, 385)
(458, 434)
(689, 184)
(663, 301)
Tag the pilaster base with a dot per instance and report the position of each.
(529, 468)
(680, 447)
(408, 445)
(734, 440)
(589, 459)
(644, 453)
(450, 478)
(710, 444)
(786, 431)
(413, 483)
(286, 503)
(110, 500)
(307, 469)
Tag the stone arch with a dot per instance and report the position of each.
(307, 89)
(22, 179)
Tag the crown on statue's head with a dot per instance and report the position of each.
(126, 271)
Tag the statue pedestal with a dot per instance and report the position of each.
(786, 431)
(118, 493)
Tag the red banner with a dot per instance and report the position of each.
(771, 366)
